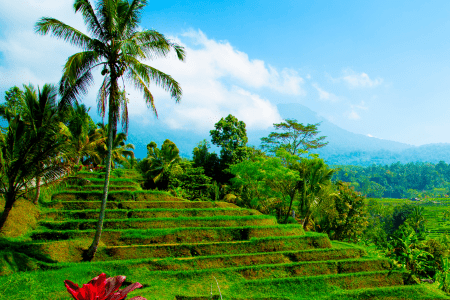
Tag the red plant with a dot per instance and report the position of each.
(102, 288)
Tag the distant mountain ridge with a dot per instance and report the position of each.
(347, 148)
(344, 147)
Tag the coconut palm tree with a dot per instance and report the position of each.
(114, 44)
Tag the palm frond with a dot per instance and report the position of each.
(89, 17)
(149, 74)
(62, 31)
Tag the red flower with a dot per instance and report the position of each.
(102, 288)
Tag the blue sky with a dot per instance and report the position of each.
(378, 68)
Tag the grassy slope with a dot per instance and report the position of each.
(44, 283)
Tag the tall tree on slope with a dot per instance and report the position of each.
(115, 45)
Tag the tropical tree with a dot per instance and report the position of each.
(85, 137)
(295, 137)
(159, 162)
(115, 45)
(315, 176)
(38, 108)
(25, 154)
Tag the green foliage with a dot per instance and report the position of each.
(346, 218)
(156, 168)
(267, 184)
(210, 162)
(189, 182)
(411, 180)
(315, 177)
(294, 138)
(406, 251)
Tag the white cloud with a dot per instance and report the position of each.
(362, 80)
(356, 80)
(216, 78)
(324, 95)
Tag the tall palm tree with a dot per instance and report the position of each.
(117, 47)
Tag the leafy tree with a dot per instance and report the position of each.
(208, 161)
(230, 134)
(189, 182)
(267, 181)
(294, 137)
(115, 45)
(23, 151)
(346, 218)
(13, 99)
(156, 166)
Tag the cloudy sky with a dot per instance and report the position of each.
(378, 68)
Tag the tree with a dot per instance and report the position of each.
(158, 163)
(267, 180)
(85, 138)
(346, 219)
(116, 46)
(229, 134)
(38, 108)
(24, 156)
(13, 99)
(315, 176)
(295, 137)
(210, 163)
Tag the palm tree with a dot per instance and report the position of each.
(39, 110)
(85, 138)
(315, 176)
(25, 154)
(116, 46)
(159, 161)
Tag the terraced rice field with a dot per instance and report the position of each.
(182, 249)
(437, 214)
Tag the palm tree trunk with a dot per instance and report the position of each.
(90, 253)
(38, 190)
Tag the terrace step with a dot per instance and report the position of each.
(175, 235)
(113, 196)
(312, 287)
(179, 204)
(92, 187)
(228, 221)
(270, 244)
(238, 260)
(147, 213)
(288, 270)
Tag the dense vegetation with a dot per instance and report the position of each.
(398, 180)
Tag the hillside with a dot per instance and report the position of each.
(181, 249)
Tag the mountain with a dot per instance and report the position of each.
(344, 147)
